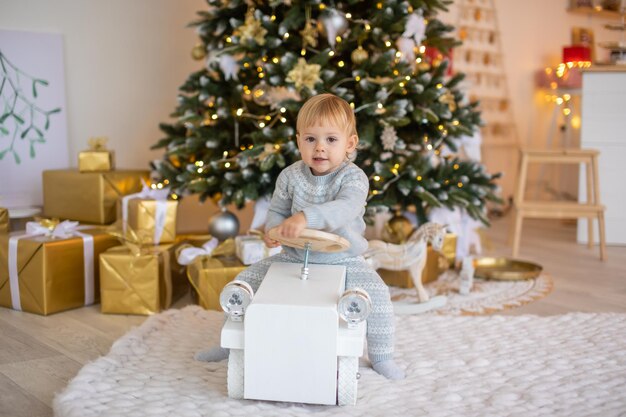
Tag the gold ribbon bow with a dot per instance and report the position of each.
(49, 224)
(98, 143)
(131, 239)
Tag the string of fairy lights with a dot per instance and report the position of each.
(556, 95)
(262, 120)
(398, 84)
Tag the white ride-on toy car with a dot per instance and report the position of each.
(299, 338)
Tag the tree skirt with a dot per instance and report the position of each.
(486, 297)
(567, 365)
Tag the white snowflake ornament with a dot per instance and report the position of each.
(389, 138)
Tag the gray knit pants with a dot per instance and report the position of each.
(380, 323)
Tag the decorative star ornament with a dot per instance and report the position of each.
(304, 75)
(252, 30)
(309, 35)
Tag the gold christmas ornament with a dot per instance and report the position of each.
(423, 66)
(252, 30)
(397, 230)
(260, 94)
(359, 55)
(304, 75)
(448, 98)
(216, 198)
(198, 52)
(174, 160)
(309, 35)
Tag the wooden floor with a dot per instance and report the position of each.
(39, 355)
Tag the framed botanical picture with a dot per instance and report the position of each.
(33, 122)
(584, 37)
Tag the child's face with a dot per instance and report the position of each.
(325, 147)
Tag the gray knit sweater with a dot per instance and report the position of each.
(333, 203)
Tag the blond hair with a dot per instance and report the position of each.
(327, 109)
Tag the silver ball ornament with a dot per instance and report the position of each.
(223, 225)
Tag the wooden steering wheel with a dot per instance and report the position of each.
(319, 241)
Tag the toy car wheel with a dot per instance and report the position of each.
(347, 370)
(235, 374)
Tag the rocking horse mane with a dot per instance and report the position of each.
(426, 232)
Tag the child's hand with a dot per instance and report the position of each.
(293, 226)
(270, 243)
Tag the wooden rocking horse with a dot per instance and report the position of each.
(410, 256)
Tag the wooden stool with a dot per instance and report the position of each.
(560, 209)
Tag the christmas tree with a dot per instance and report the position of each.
(236, 117)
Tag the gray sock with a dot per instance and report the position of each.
(215, 354)
(388, 369)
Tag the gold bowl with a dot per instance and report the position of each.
(505, 269)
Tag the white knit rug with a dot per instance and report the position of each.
(568, 365)
(486, 297)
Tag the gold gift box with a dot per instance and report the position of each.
(436, 263)
(142, 219)
(88, 197)
(209, 275)
(51, 271)
(140, 283)
(96, 161)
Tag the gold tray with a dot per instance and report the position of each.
(505, 269)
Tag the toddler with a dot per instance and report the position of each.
(325, 191)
